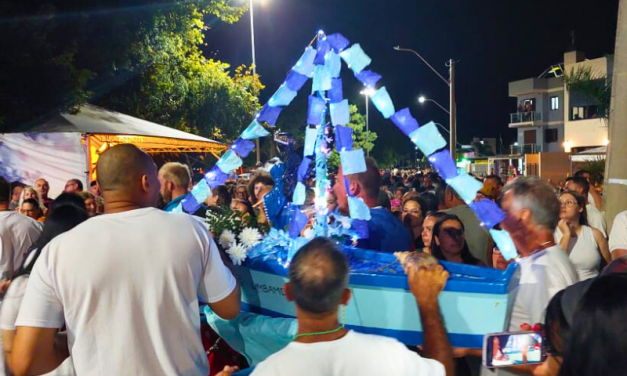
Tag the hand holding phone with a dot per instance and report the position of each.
(512, 349)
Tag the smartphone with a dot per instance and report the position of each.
(512, 349)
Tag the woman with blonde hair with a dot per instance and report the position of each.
(90, 203)
(30, 192)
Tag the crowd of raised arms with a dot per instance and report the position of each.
(107, 280)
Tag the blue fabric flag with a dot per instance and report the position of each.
(201, 191)
(243, 147)
(336, 94)
(382, 101)
(404, 121)
(229, 161)
(337, 42)
(353, 161)
(428, 138)
(300, 194)
(303, 169)
(305, 64)
(310, 141)
(316, 108)
(358, 208)
(269, 114)
(295, 80)
(321, 79)
(190, 204)
(254, 130)
(368, 78)
(466, 187)
(321, 51)
(298, 223)
(333, 62)
(356, 58)
(340, 114)
(343, 138)
(444, 164)
(283, 96)
(216, 177)
(505, 244)
(360, 227)
(273, 203)
(488, 212)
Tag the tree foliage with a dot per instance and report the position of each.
(141, 57)
(362, 139)
(593, 86)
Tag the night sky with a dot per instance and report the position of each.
(495, 41)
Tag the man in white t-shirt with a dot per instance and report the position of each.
(532, 213)
(618, 236)
(17, 233)
(318, 281)
(126, 284)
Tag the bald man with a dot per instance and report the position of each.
(43, 188)
(126, 284)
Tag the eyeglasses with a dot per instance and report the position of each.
(568, 203)
(454, 232)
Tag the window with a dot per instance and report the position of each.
(550, 135)
(555, 103)
(583, 112)
(529, 137)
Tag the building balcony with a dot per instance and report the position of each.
(525, 149)
(525, 119)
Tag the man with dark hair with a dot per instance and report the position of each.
(17, 234)
(73, 186)
(593, 195)
(259, 183)
(496, 183)
(318, 284)
(477, 237)
(94, 189)
(16, 193)
(595, 217)
(126, 284)
(386, 233)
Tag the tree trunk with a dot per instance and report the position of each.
(615, 194)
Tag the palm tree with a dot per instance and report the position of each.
(593, 86)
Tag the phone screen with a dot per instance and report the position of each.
(511, 349)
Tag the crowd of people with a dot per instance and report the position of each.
(110, 276)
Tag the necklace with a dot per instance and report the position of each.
(542, 247)
(319, 333)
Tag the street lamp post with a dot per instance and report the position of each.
(368, 92)
(252, 42)
(451, 84)
(422, 99)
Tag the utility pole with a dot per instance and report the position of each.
(252, 42)
(615, 192)
(453, 111)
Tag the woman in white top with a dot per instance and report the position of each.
(66, 212)
(586, 246)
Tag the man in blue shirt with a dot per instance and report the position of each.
(386, 233)
(175, 180)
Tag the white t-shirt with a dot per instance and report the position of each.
(618, 236)
(127, 286)
(8, 314)
(17, 233)
(542, 275)
(353, 354)
(596, 219)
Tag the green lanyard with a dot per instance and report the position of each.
(325, 332)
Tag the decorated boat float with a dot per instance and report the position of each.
(475, 301)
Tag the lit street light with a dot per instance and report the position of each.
(450, 82)
(367, 92)
(422, 100)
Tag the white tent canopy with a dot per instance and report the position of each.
(590, 155)
(67, 146)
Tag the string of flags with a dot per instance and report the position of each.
(323, 66)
